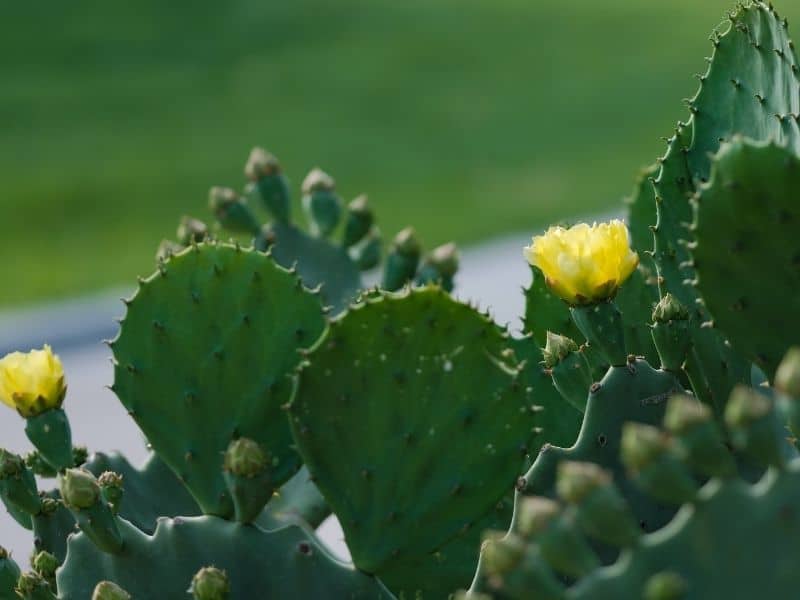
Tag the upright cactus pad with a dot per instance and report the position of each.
(203, 357)
(754, 73)
(421, 397)
(747, 253)
(286, 563)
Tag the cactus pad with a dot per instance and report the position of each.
(422, 400)
(203, 355)
(286, 563)
(748, 252)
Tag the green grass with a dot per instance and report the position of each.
(466, 118)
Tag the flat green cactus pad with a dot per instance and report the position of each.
(754, 75)
(286, 563)
(748, 249)
(319, 262)
(203, 356)
(423, 403)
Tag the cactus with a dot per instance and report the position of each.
(189, 393)
(335, 265)
(278, 564)
(703, 552)
(423, 377)
(746, 243)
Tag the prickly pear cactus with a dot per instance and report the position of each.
(747, 251)
(341, 243)
(423, 400)
(753, 74)
(203, 357)
(285, 563)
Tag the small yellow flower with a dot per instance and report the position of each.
(584, 264)
(32, 383)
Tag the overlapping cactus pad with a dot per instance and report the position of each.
(204, 356)
(420, 396)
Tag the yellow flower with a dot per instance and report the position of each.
(32, 383)
(584, 264)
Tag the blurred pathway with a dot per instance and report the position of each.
(491, 274)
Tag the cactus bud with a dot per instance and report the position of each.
(245, 458)
(260, 164)
(602, 512)
(668, 309)
(191, 230)
(210, 583)
(38, 465)
(32, 586)
(665, 586)
(697, 436)
(367, 253)
(501, 554)
(11, 465)
(268, 180)
(45, 564)
(322, 205)
(645, 453)
(111, 486)
(440, 267)
(359, 221)
(753, 426)
(108, 590)
(248, 477)
(787, 377)
(231, 211)
(402, 260)
(535, 514)
(407, 243)
(79, 489)
(557, 348)
(671, 332)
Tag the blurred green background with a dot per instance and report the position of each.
(467, 118)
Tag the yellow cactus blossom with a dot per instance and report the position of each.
(584, 264)
(32, 382)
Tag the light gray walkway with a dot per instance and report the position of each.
(491, 274)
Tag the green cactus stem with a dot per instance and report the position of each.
(320, 203)
(402, 260)
(572, 375)
(9, 574)
(232, 211)
(18, 485)
(82, 496)
(601, 324)
(51, 435)
(210, 583)
(269, 183)
(248, 474)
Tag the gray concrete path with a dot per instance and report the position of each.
(491, 275)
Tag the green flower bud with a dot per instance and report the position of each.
(576, 480)
(501, 555)
(668, 309)
(31, 584)
(787, 377)
(746, 406)
(260, 164)
(642, 445)
(45, 564)
(111, 485)
(210, 583)
(318, 181)
(232, 211)
(535, 514)
(79, 488)
(557, 348)
(665, 586)
(108, 590)
(685, 412)
(407, 243)
(445, 259)
(359, 221)
(245, 458)
(191, 230)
